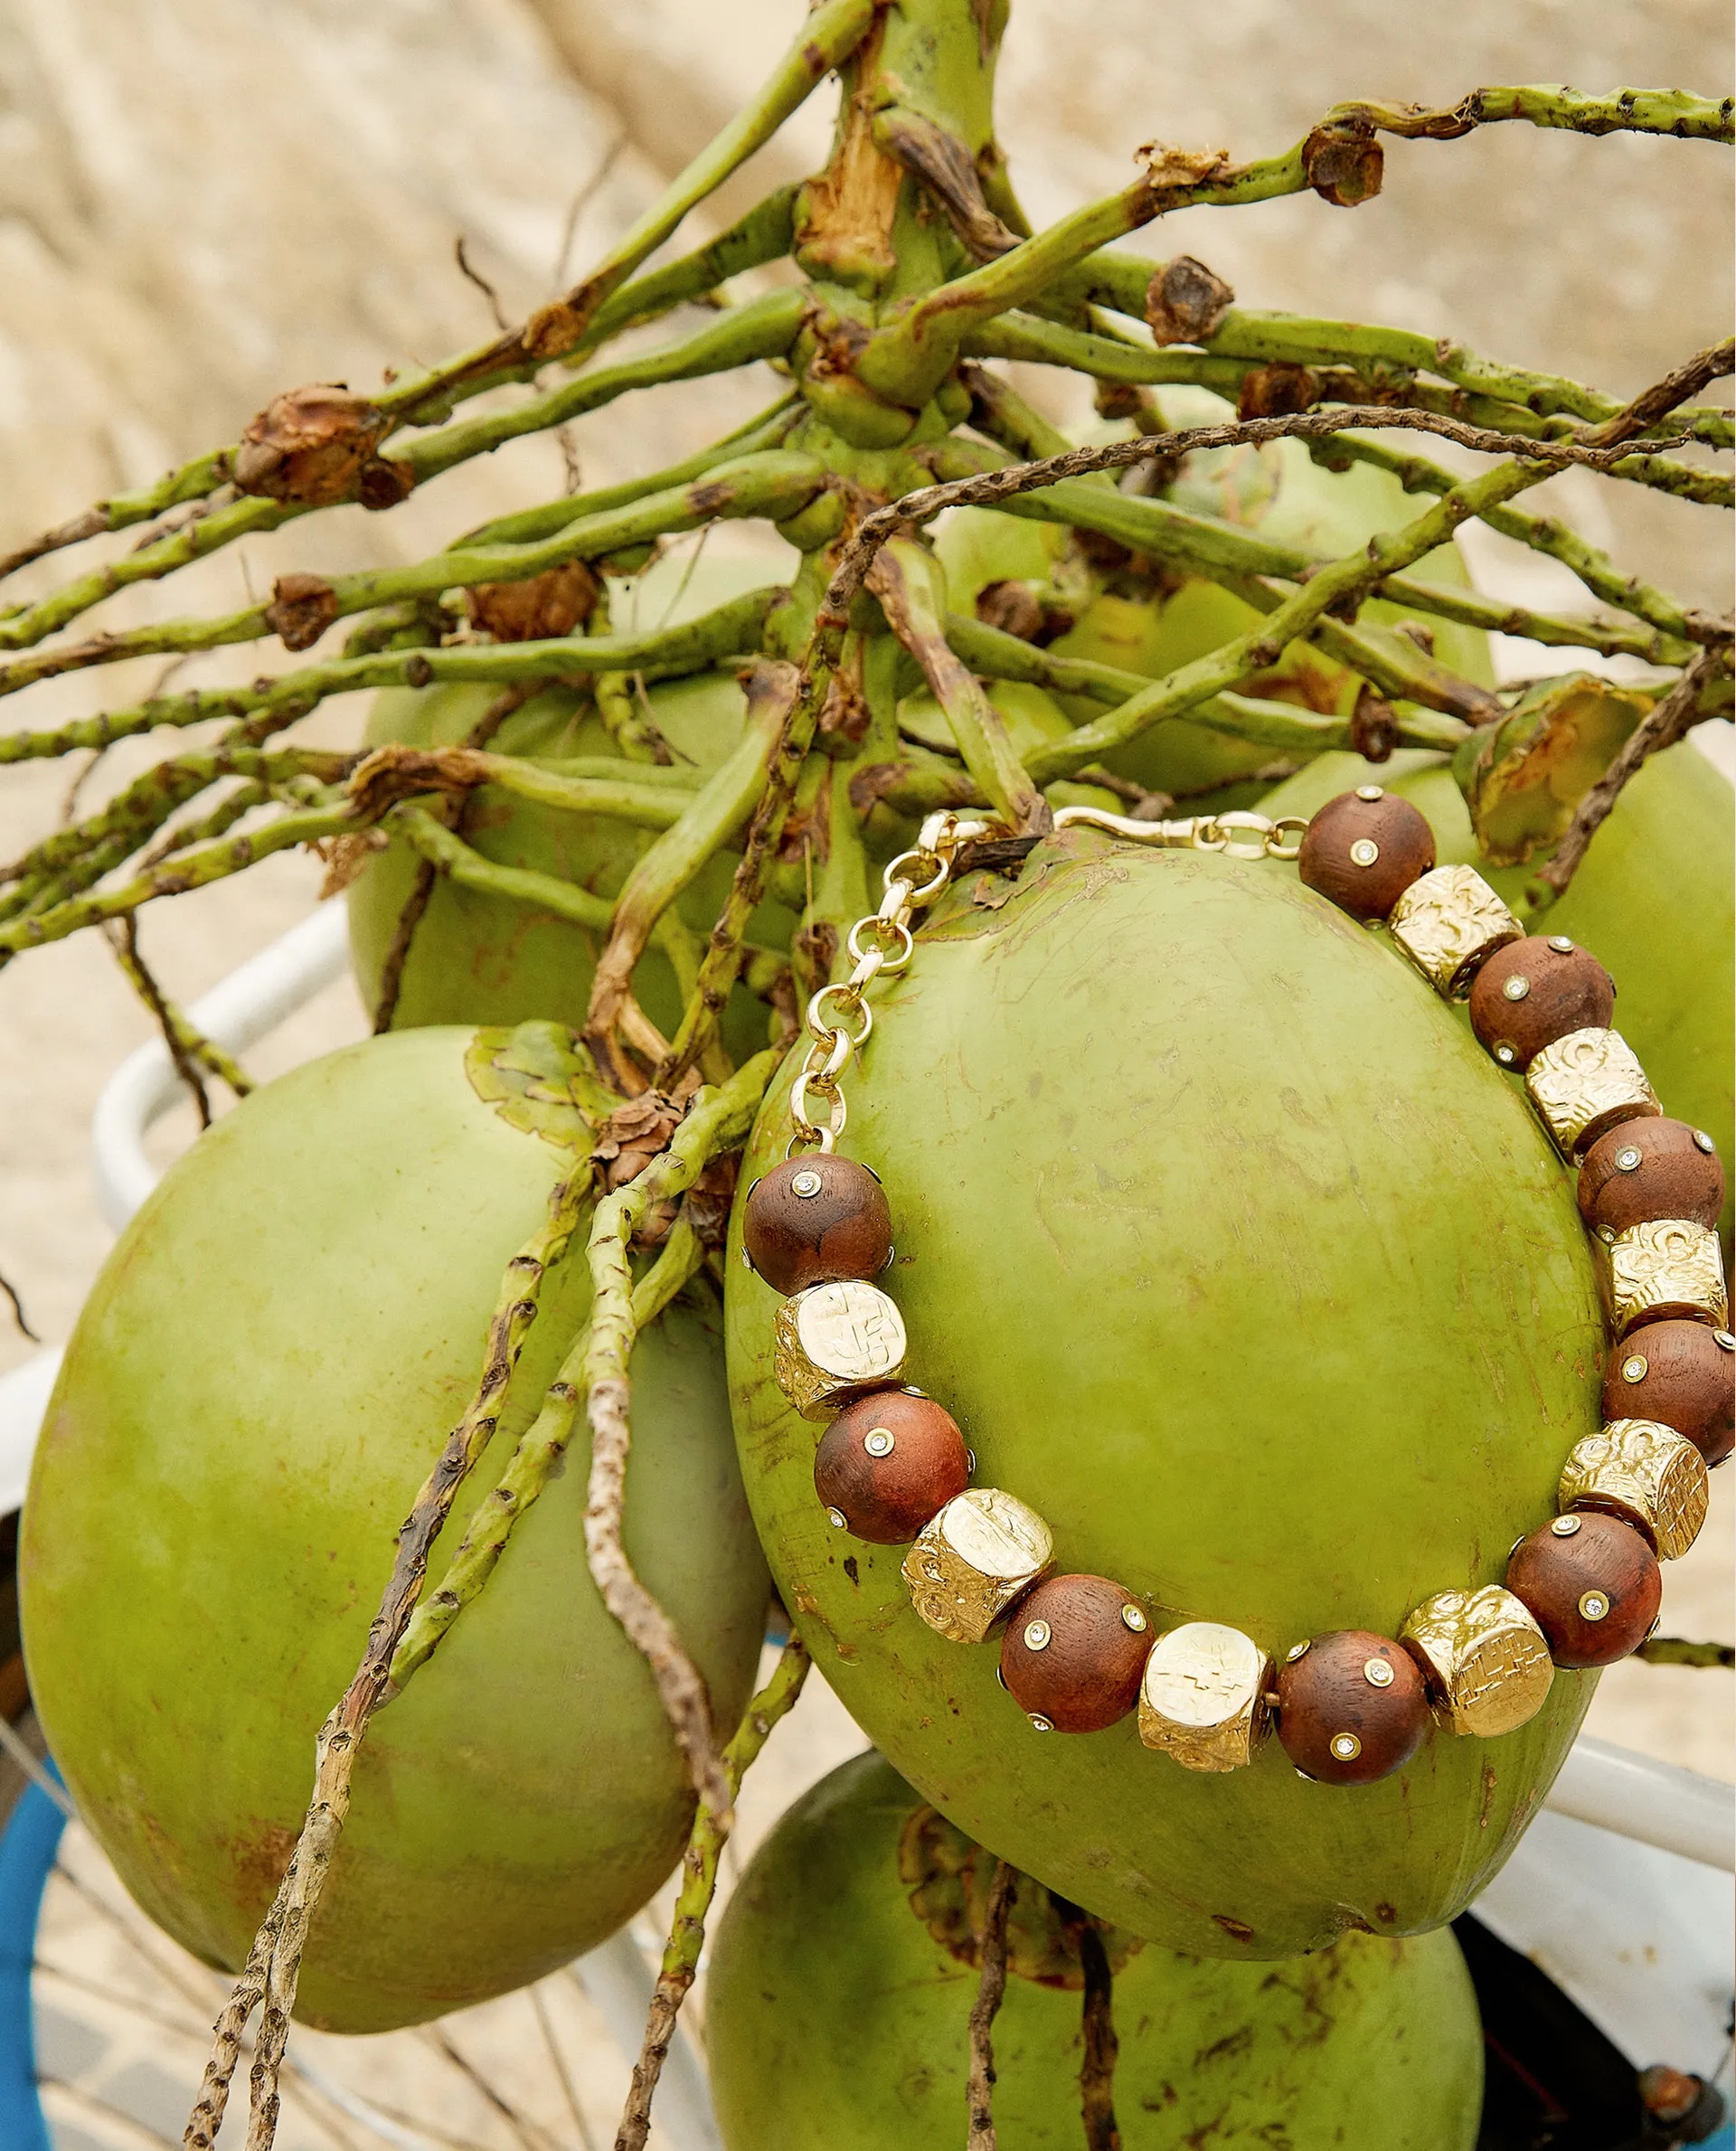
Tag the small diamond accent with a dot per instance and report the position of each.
(1565, 1526)
(837, 1517)
(1036, 1636)
(1133, 1617)
(807, 1183)
(1364, 852)
(1627, 1161)
(1560, 944)
(1377, 1673)
(1369, 791)
(1516, 987)
(878, 1442)
(1040, 1724)
(1703, 1141)
(1347, 1747)
(1636, 1369)
(1594, 1605)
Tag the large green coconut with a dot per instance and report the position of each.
(265, 1370)
(1240, 1262)
(1651, 899)
(842, 1978)
(477, 958)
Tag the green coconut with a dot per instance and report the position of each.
(477, 958)
(1651, 899)
(843, 1972)
(262, 1375)
(1238, 1261)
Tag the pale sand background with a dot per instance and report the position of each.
(204, 201)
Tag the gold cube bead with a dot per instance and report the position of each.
(1645, 1473)
(831, 1339)
(1584, 1084)
(1201, 1697)
(970, 1562)
(1488, 1659)
(1667, 1267)
(1446, 922)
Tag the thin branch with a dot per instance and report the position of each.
(1676, 1650)
(1099, 2043)
(699, 1865)
(991, 1985)
(18, 1315)
(472, 274)
(1663, 725)
(123, 939)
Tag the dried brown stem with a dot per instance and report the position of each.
(990, 1985)
(990, 486)
(207, 2115)
(1100, 2046)
(18, 1315)
(1665, 724)
(123, 939)
(699, 1865)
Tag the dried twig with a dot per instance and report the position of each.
(1097, 2066)
(705, 1844)
(1665, 724)
(990, 1985)
(18, 1315)
(122, 935)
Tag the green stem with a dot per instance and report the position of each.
(540, 1450)
(829, 34)
(806, 696)
(1674, 1650)
(699, 1866)
(716, 1120)
(194, 869)
(1546, 534)
(764, 329)
(1342, 583)
(723, 805)
(910, 584)
(429, 838)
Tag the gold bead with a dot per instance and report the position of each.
(1200, 1700)
(1645, 1473)
(1486, 1658)
(1669, 1265)
(1583, 1083)
(833, 1338)
(1446, 922)
(971, 1562)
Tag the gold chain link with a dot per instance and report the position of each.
(839, 1019)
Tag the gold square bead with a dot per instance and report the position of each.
(1200, 1700)
(1488, 1659)
(1646, 1474)
(968, 1564)
(1584, 1084)
(1446, 922)
(831, 1339)
(1669, 1267)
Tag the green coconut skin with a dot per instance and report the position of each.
(1651, 899)
(265, 1370)
(1239, 1262)
(836, 2021)
(479, 959)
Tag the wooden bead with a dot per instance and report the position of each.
(1533, 991)
(1352, 1707)
(1646, 1169)
(1591, 1584)
(1364, 849)
(1073, 1652)
(889, 1462)
(815, 1221)
(1680, 1374)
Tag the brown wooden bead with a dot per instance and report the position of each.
(1364, 849)
(888, 1463)
(1680, 1374)
(815, 1220)
(1591, 1584)
(1073, 1652)
(1531, 992)
(1340, 1725)
(1650, 1168)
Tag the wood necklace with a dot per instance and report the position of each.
(1079, 1652)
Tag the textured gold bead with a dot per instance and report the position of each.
(1487, 1660)
(1645, 1473)
(1446, 922)
(1670, 1267)
(972, 1561)
(831, 1339)
(1200, 1699)
(1586, 1082)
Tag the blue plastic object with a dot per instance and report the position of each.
(28, 1850)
